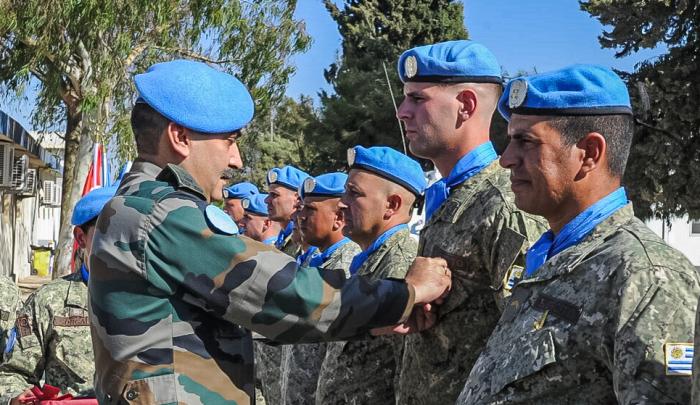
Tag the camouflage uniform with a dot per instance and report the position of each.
(10, 302)
(269, 358)
(53, 341)
(591, 326)
(301, 363)
(168, 289)
(363, 371)
(483, 237)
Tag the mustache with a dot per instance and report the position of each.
(228, 174)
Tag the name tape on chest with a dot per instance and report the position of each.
(679, 358)
(71, 321)
(23, 325)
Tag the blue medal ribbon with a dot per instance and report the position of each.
(284, 233)
(469, 165)
(311, 251)
(84, 273)
(318, 260)
(361, 257)
(572, 233)
(270, 241)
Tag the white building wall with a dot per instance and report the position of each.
(679, 236)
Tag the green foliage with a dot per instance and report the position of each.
(375, 33)
(663, 173)
(265, 146)
(84, 53)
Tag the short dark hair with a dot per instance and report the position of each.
(617, 130)
(147, 125)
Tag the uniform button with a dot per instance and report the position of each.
(132, 394)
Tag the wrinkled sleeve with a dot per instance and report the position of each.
(657, 308)
(253, 285)
(25, 365)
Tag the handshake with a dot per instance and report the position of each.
(430, 280)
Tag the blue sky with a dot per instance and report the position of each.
(542, 34)
(546, 34)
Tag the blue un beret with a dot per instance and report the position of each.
(450, 62)
(196, 96)
(89, 207)
(573, 90)
(390, 164)
(325, 185)
(287, 176)
(240, 190)
(255, 204)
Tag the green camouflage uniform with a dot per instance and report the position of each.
(301, 363)
(269, 358)
(10, 302)
(596, 324)
(169, 289)
(53, 341)
(483, 237)
(363, 371)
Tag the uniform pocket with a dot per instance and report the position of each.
(530, 355)
(152, 390)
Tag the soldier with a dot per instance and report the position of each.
(53, 335)
(605, 311)
(170, 282)
(283, 184)
(451, 90)
(256, 222)
(321, 223)
(10, 302)
(233, 196)
(380, 194)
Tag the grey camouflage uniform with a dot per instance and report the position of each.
(53, 341)
(301, 363)
(363, 371)
(10, 302)
(483, 237)
(169, 289)
(592, 324)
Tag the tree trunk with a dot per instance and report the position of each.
(76, 164)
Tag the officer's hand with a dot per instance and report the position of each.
(430, 278)
(27, 397)
(423, 317)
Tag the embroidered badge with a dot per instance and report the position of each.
(23, 325)
(271, 176)
(679, 358)
(309, 184)
(514, 275)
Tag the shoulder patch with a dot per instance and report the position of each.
(23, 325)
(220, 221)
(679, 358)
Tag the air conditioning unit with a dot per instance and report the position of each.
(19, 172)
(58, 194)
(29, 188)
(6, 162)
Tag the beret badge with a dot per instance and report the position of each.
(518, 92)
(245, 203)
(271, 176)
(351, 156)
(309, 185)
(410, 66)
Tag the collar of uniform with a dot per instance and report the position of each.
(175, 174)
(569, 259)
(372, 262)
(461, 196)
(150, 169)
(76, 296)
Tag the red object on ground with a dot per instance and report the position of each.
(50, 395)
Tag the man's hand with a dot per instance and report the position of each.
(423, 317)
(430, 278)
(27, 397)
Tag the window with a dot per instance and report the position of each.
(694, 228)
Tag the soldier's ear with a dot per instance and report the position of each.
(178, 139)
(467, 103)
(80, 236)
(592, 149)
(394, 202)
